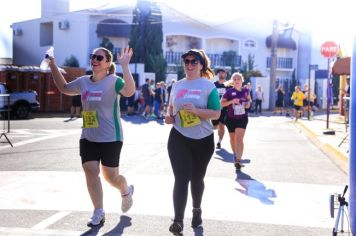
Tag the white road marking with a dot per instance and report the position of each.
(51, 220)
(224, 199)
(47, 135)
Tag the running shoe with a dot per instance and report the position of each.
(127, 200)
(218, 146)
(176, 228)
(97, 219)
(196, 220)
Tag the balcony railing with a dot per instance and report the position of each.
(282, 63)
(216, 59)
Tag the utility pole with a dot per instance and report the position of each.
(273, 65)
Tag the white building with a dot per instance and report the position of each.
(78, 33)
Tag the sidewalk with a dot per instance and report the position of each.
(335, 146)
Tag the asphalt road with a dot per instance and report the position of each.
(283, 189)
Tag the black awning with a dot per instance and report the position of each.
(282, 42)
(113, 28)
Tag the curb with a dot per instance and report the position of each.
(339, 158)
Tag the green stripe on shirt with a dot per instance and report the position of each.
(116, 120)
(214, 100)
(120, 82)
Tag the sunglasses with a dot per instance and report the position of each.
(193, 62)
(97, 57)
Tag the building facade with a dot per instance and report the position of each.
(78, 33)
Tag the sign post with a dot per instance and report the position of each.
(329, 49)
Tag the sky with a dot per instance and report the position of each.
(329, 20)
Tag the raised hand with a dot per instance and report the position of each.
(125, 56)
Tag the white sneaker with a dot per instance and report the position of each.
(98, 218)
(127, 201)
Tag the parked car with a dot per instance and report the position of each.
(21, 104)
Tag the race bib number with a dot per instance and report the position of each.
(188, 119)
(90, 119)
(239, 109)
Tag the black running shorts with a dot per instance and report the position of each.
(107, 153)
(233, 124)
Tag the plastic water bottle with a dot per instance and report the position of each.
(45, 61)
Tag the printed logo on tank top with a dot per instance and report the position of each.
(92, 95)
(189, 93)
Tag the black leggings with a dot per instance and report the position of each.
(189, 159)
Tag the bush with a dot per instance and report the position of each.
(72, 61)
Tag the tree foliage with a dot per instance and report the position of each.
(248, 68)
(106, 43)
(147, 37)
(72, 61)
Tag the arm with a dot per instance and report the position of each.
(59, 79)
(169, 118)
(213, 107)
(224, 102)
(124, 59)
(202, 113)
(247, 104)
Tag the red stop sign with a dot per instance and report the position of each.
(329, 49)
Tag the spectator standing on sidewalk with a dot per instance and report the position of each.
(259, 98)
(297, 97)
(309, 98)
(158, 100)
(101, 139)
(280, 100)
(237, 101)
(193, 103)
(76, 106)
(147, 94)
(219, 124)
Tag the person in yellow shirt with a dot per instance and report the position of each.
(297, 97)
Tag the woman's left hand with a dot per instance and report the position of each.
(125, 56)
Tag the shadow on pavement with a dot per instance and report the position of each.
(138, 119)
(92, 231)
(118, 230)
(226, 156)
(124, 222)
(253, 188)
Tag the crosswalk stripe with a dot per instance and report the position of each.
(51, 220)
(38, 139)
(252, 201)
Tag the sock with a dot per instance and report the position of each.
(126, 194)
(220, 139)
(99, 210)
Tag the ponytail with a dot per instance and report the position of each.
(206, 71)
(112, 68)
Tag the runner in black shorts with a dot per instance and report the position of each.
(219, 124)
(237, 101)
